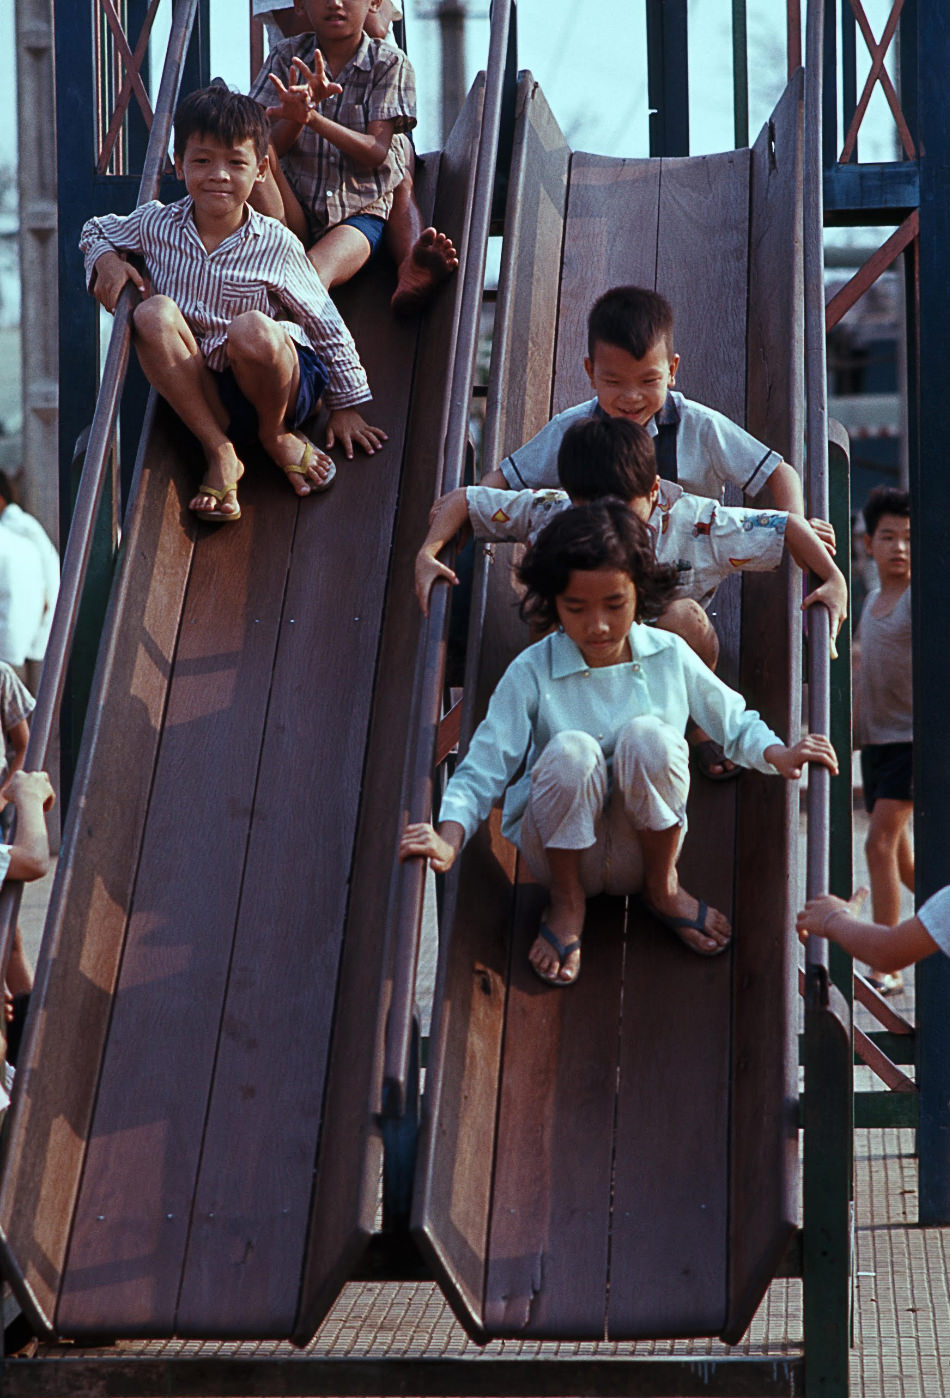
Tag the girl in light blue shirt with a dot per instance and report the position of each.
(593, 716)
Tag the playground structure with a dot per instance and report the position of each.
(142, 1195)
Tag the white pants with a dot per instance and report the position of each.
(569, 806)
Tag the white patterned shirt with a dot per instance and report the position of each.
(935, 915)
(260, 267)
(705, 541)
(378, 85)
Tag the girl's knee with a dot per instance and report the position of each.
(573, 753)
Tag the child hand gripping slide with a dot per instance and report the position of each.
(885, 945)
(233, 327)
(595, 713)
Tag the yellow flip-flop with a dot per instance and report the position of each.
(218, 516)
(301, 467)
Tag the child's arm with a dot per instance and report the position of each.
(299, 105)
(441, 847)
(786, 491)
(31, 794)
(789, 761)
(884, 948)
(449, 515)
(810, 553)
(110, 274)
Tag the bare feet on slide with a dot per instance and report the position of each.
(432, 260)
(222, 472)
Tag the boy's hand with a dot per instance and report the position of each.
(347, 426)
(789, 761)
(423, 841)
(825, 532)
(293, 103)
(814, 917)
(24, 786)
(112, 273)
(833, 594)
(316, 81)
(428, 569)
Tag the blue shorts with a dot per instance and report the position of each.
(372, 228)
(242, 413)
(887, 770)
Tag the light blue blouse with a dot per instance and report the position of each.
(549, 689)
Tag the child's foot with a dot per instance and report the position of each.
(710, 758)
(701, 928)
(216, 501)
(433, 258)
(561, 924)
(305, 466)
(886, 982)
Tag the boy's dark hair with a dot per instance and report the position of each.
(602, 535)
(884, 500)
(229, 117)
(7, 489)
(606, 456)
(632, 319)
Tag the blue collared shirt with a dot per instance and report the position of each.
(549, 688)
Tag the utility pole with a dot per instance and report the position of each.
(451, 17)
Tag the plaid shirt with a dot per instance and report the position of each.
(261, 267)
(378, 85)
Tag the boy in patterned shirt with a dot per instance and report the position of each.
(334, 163)
(704, 540)
(234, 327)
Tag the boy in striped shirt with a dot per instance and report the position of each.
(234, 328)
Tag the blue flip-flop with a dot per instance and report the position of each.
(697, 923)
(563, 950)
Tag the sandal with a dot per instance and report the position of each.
(564, 950)
(697, 924)
(218, 516)
(709, 754)
(303, 466)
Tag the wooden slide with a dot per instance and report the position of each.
(620, 1160)
(192, 1148)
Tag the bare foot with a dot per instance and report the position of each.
(565, 922)
(305, 466)
(702, 928)
(433, 258)
(223, 470)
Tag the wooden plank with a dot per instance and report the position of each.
(46, 1132)
(130, 1227)
(764, 1145)
(701, 268)
(345, 1198)
(550, 1222)
(610, 240)
(453, 1187)
(670, 1214)
(252, 1203)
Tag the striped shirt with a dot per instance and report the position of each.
(260, 267)
(378, 85)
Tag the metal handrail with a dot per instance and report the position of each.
(816, 427)
(79, 545)
(408, 885)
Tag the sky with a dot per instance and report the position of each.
(593, 76)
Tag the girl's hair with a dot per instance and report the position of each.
(605, 534)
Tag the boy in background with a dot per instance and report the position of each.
(884, 714)
(424, 257)
(207, 331)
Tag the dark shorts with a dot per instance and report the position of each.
(372, 228)
(887, 770)
(243, 424)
